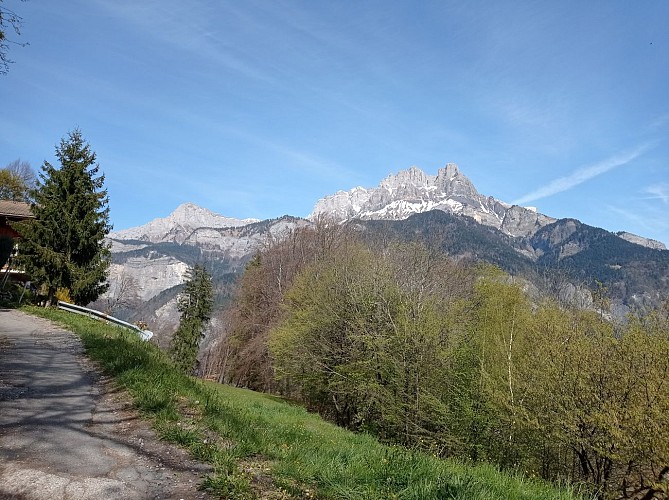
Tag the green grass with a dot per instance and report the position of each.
(262, 446)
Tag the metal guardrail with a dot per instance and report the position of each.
(92, 313)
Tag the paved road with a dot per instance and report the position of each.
(65, 434)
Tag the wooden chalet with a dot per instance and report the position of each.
(12, 211)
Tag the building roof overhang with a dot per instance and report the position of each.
(16, 209)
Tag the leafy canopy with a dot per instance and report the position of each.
(16, 181)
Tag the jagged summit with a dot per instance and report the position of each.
(413, 191)
(412, 176)
(178, 226)
(397, 197)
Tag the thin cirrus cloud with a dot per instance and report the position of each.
(583, 174)
(659, 192)
(186, 28)
(648, 220)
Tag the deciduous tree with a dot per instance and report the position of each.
(9, 21)
(241, 356)
(16, 181)
(123, 293)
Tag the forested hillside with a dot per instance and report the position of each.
(634, 276)
(453, 357)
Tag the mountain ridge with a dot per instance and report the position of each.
(413, 191)
(178, 224)
(158, 254)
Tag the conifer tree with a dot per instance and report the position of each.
(195, 305)
(64, 246)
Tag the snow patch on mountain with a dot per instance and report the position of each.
(412, 191)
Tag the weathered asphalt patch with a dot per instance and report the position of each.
(65, 433)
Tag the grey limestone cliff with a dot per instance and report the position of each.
(413, 191)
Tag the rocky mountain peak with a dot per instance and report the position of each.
(189, 211)
(179, 225)
(413, 191)
(192, 215)
(451, 171)
(412, 176)
(451, 181)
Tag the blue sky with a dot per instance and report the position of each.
(260, 108)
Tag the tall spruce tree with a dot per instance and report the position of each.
(64, 246)
(195, 305)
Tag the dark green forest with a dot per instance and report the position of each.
(567, 249)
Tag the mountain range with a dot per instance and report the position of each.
(444, 210)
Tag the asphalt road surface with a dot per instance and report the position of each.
(65, 433)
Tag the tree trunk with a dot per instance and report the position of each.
(51, 297)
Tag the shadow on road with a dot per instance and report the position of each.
(59, 416)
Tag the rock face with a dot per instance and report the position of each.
(157, 256)
(640, 240)
(153, 273)
(413, 191)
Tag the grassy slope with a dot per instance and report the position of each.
(262, 446)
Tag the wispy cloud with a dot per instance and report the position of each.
(648, 214)
(660, 122)
(647, 221)
(300, 159)
(659, 192)
(186, 27)
(583, 174)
